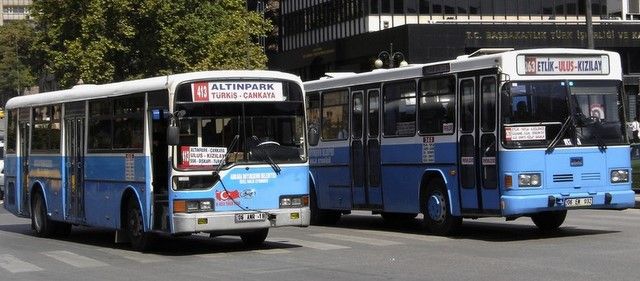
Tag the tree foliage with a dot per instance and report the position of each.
(16, 40)
(101, 41)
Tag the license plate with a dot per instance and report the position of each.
(249, 217)
(578, 202)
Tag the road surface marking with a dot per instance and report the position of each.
(74, 259)
(135, 256)
(14, 265)
(357, 239)
(272, 251)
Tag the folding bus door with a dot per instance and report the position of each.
(477, 144)
(74, 161)
(24, 143)
(365, 149)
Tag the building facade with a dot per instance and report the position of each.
(318, 36)
(14, 10)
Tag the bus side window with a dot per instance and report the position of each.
(335, 115)
(313, 115)
(400, 109)
(437, 106)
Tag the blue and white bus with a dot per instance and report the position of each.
(497, 133)
(220, 152)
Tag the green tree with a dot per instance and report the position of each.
(16, 40)
(102, 41)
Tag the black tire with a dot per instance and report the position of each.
(254, 238)
(549, 221)
(321, 217)
(397, 218)
(40, 222)
(134, 226)
(63, 229)
(435, 207)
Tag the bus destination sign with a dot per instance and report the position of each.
(240, 91)
(558, 65)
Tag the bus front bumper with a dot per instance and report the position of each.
(220, 222)
(516, 205)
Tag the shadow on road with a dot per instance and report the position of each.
(470, 229)
(164, 244)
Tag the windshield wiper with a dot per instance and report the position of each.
(266, 157)
(563, 130)
(595, 126)
(230, 148)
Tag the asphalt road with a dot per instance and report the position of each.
(591, 245)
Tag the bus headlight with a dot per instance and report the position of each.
(618, 176)
(294, 201)
(530, 180)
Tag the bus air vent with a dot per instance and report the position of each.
(563, 178)
(590, 176)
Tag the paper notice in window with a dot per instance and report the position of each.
(202, 156)
(528, 133)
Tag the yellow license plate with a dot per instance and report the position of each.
(203, 221)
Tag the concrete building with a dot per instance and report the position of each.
(14, 10)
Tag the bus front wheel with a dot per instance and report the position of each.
(549, 221)
(255, 238)
(41, 224)
(140, 240)
(437, 211)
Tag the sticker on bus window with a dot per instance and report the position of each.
(596, 110)
(528, 133)
(447, 128)
(467, 160)
(202, 156)
(230, 91)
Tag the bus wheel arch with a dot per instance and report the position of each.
(132, 221)
(40, 222)
(320, 216)
(435, 205)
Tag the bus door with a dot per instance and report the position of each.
(477, 144)
(365, 149)
(74, 163)
(25, 145)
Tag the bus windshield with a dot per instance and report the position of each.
(534, 112)
(265, 132)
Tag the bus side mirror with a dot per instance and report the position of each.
(173, 135)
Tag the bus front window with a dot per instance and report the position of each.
(207, 131)
(533, 113)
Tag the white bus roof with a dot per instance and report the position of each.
(462, 63)
(170, 82)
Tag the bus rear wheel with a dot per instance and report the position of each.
(255, 238)
(549, 221)
(140, 240)
(40, 223)
(437, 211)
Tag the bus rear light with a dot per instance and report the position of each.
(508, 182)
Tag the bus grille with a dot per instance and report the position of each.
(563, 178)
(590, 176)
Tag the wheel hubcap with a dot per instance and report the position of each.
(437, 207)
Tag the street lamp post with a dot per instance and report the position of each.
(391, 57)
